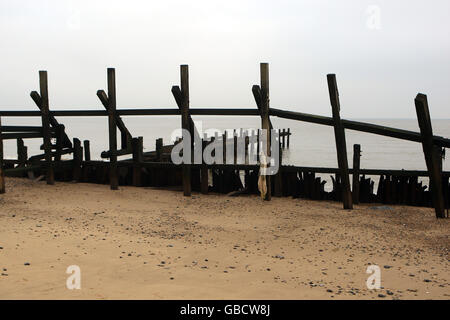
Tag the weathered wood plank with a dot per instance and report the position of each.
(339, 135)
(355, 174)
(265, 120)
(186, 124)
(50, 176)
(22, 153)
(77, 159)
(348, 124)
(87, 150)
(113, 178)
(124, 133)
(138, 156)
(54, 123)
(21, 135)
(21, 129)
(204, 172)
(431, 156)
(158, 148)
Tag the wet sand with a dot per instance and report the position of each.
(145, 243)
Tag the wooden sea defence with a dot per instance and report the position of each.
(238, 170)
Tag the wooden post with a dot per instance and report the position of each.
(432, 157)
(2, 173)
(235, 143)
(279, 138)
(158, 148)
(278, 177)
(355, 176)
(339, 135)
(204, 171)
(138, 156)
(87, 157)
(113, 179)
(246, 144)
(224, 148)
(59, 141)
(284, 138)
(87, 150)
(265, 121)
(257, 144)
(185, 124)
(252, 147)
(22, 154)
(50, 176)
(77, 159)
(288, 136)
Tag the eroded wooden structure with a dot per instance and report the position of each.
(156, 169)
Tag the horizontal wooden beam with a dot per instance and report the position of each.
(57, 166)
(121, 152)
(21, 135)
(21, 129)
(348, 124)
(134, 112)
(359, 126)
(53, 154)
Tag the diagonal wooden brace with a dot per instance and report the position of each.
(258, 99)
(125, 134)
(54, 123)
(176, 91)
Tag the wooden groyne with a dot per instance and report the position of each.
(156, 169)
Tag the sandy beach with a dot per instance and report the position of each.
(144, 243)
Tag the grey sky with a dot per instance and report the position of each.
(379, 72)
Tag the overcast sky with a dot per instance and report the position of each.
(383, 52)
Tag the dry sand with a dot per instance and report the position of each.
(144, 243)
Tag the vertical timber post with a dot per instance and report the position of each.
(339, 135)
(22, 154)
(50, 176)
(288, 136)
(77, 159)
(278, 177)
(87, 150)
(432, 157)
(87, 157)
(224, 147)
(265, 122)
(258, 144)
(158, 149)
(185, 124)
(138, 156)
(355, 176)
(2, 173)
(204, 171)
(113, 179)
